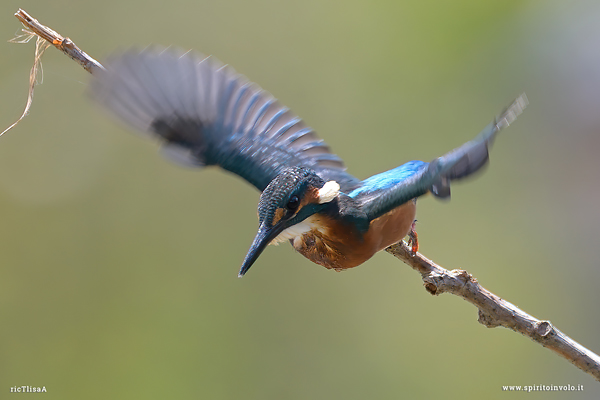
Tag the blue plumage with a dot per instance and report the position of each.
(204, 113)
(207, 114)
(388, 179)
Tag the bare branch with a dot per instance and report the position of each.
(64, 44)
(46, 37)
(493, 311)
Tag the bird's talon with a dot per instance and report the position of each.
(413, 239)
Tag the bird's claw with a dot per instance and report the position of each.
(413, 239)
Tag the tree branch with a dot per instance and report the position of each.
(493, 311)
(64, 44)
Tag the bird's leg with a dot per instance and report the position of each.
(413, 238)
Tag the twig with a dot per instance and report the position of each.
(45, 38)
(64, 44)
(493, 311)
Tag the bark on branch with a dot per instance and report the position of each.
(493, 311)
(64, 44)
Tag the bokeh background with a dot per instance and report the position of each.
(118, 269)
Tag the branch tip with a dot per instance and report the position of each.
(493, 311)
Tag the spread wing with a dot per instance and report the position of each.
(204, 113)
(384, 192)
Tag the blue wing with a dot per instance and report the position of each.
(206, 114)
(378, 184)
(382, 193)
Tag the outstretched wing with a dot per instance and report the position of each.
(384, 192)
(205, 113)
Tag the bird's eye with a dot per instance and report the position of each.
(293, 203)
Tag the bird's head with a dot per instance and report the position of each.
(294, 195)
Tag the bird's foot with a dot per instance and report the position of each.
(413, 239)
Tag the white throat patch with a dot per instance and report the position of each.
(328, 192)
(294, 231)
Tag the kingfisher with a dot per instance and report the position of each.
(204, 113)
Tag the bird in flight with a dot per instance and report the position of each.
(204, 113)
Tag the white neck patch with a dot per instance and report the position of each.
(328, 192)
(309, 224)
(293, 231)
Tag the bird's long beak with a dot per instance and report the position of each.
(261, 240)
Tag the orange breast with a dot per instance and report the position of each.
(338, 246)
(391, 227)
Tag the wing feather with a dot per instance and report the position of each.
(204, 113)
(384, 192)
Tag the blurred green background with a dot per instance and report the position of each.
(118, 277)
